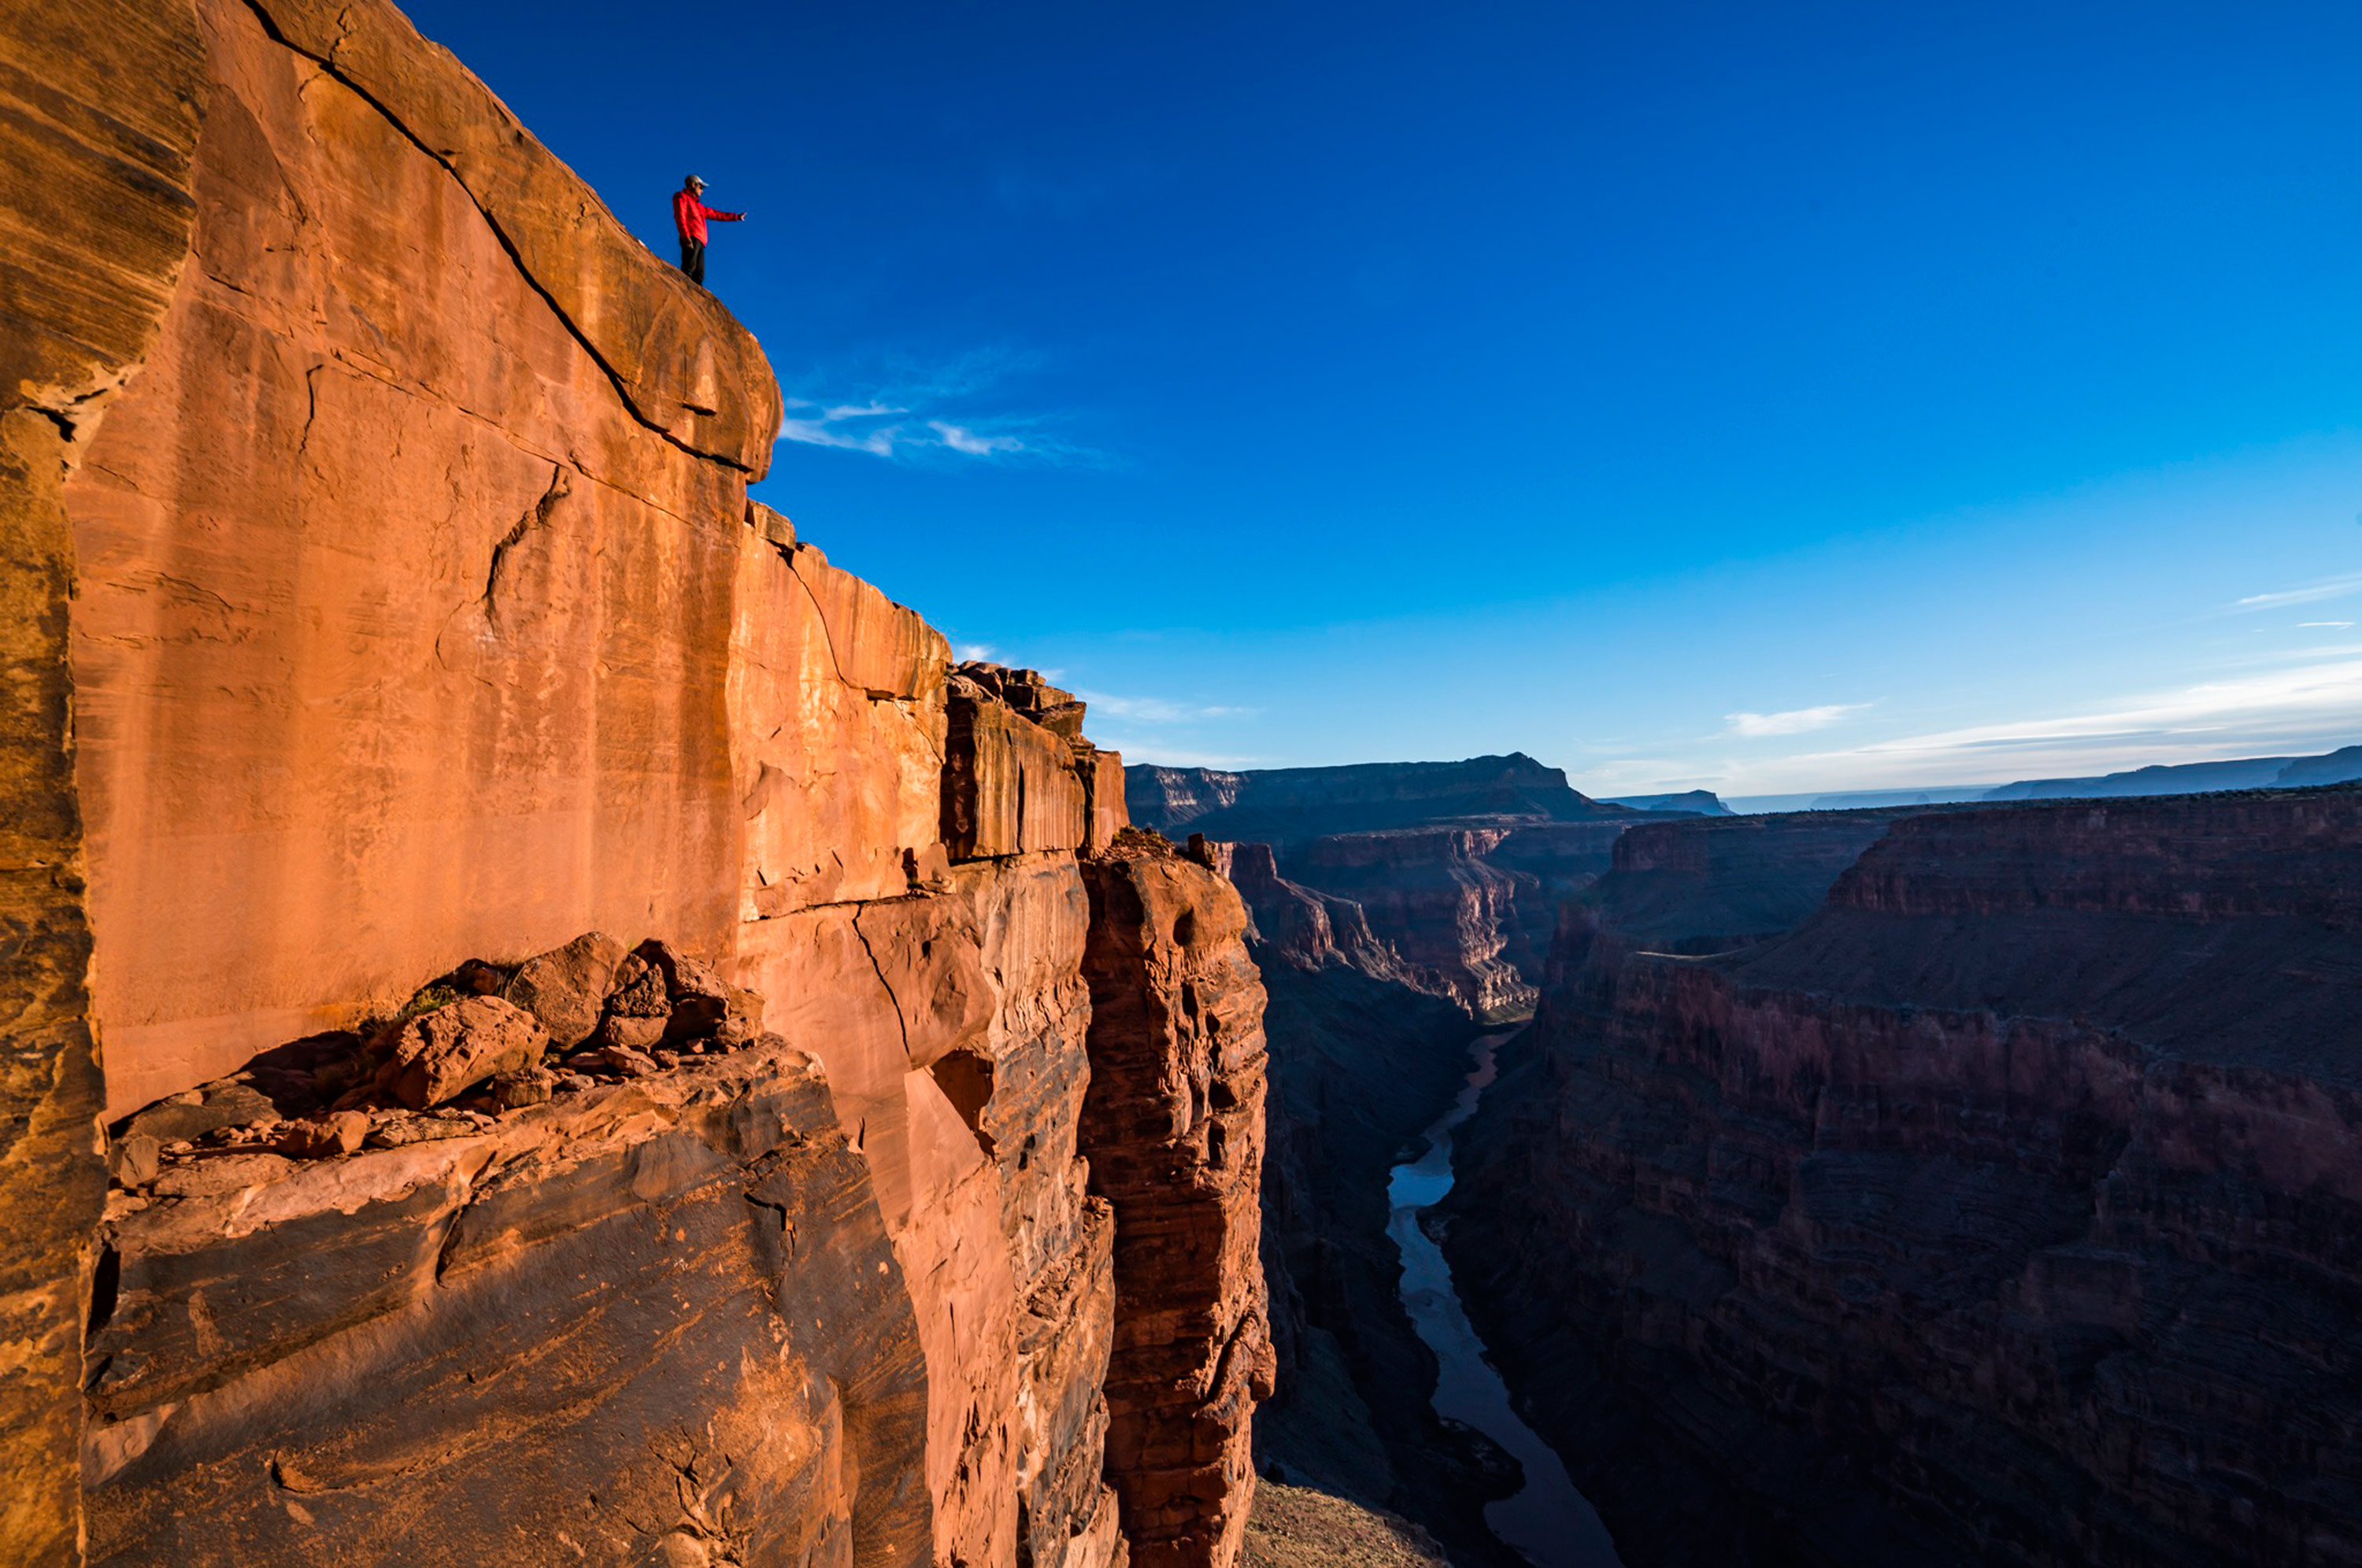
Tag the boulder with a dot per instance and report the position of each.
(639, 989)
(565, 988)
(476, 979)
(441, 1055)
(199, 1112)
(513, 1091)
(341, 1133)
(622, 1059)
(132, 1159)
(630, 1032)
(696, 994)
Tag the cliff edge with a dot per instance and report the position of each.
(393, 647)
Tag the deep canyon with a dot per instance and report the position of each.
(548, 1023)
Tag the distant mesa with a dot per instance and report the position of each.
(1689, 803)
(1287, 805)
(2341, 767)
(2338, 766)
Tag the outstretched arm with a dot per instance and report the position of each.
(718, 215)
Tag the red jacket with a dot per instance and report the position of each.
(688, 214)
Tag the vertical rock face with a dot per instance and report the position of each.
(1173, 1128)
(414, 622)
(2000, 1213)
(94, 219)
(399, 636)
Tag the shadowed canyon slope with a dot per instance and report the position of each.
(389, 619)
(1999, 1212)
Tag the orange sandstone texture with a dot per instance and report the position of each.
(95, 219)
(419, 618)
(1173, 1129)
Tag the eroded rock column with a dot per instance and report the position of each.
(1173, 1126)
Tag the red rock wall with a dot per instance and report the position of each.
(399, 637)
(2002, 1212)
(420, 616)
(95, 220)
(1174, 1130)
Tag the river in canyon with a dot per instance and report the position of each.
(1548, 1522)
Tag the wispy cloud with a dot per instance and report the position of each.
(969, 653)
(911, 412)
(1793, 722)
(1167, 730)
(2325, 626)
(2311, 594)
(960, 439)
(2305, 708)
(1160, 711)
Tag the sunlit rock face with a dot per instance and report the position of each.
(393, 648)
(2002, 1211)
(1173, 1127)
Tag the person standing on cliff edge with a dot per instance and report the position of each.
(688, 214)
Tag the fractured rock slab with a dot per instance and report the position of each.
(439, 1055)
(670, 1303)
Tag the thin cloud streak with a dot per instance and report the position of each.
(2311, 707)
(2313, 592)
(1794, 722)
(1159, 711)
(914, 414)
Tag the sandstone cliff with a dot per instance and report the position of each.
(382, 527)
(1998, 1214)
(1173, 1127)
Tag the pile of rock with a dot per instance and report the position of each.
(485, 1039)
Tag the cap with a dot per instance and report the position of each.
(694, 180)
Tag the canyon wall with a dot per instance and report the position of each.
(398, 647)
(1999, 1212)
(1455, 870)
(1365, 1047)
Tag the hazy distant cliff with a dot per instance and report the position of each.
(1453, 870)
(605, 1038)
(1282, 805)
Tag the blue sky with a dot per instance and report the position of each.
(1759, 398)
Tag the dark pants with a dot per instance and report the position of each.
(692, 259)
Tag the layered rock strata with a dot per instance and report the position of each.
(1455, 871)
(95, 210)
(652, 1319)
(419, 618)
(1468, 911)
(1704, 886)
(1996, 1214)
(1173, 1127)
